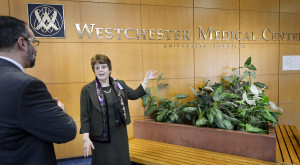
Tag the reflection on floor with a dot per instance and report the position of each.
(80, 161)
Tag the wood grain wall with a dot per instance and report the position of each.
(64, 64)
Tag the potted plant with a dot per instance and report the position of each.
(235, 103)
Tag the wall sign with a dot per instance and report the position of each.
(173, 34)
(46, 20)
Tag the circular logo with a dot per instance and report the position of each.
(46, 20)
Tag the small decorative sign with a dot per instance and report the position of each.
(46, 20)
(291, 62)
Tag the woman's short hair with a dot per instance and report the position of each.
(100, 59)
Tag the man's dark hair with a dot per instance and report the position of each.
(10, 30)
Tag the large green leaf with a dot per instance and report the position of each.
(228, 104)
(242, 112)
(150, 110)
(188, 116)
(181, 105)
(159, 77)
(152, 106)
(229, 96)
(189, 109)
(268, 116)
(162, 86)
(231, 119)
(227, 124)
(245, 74)
(217, 95)
(162, 115)
(180, 96)
(234, 79)
(210, 116)
(248, 62)
(246, 88)
(241, 102)
(251, 67)
(173, 117)
(250, 128)
(253, 74)
(195, 93)
(229, 79)
(146, 99)
(219, 123)
(261, 85)
(265, 99)
(201, 121)
(218, 114)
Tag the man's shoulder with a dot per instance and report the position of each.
(23, 76)
(19, 77)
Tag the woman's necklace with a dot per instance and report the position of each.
(107, 91)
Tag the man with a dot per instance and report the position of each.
(30, 120)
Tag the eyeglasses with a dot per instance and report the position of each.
(100, 67)
(35, 42)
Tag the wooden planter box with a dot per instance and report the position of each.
(252, 145)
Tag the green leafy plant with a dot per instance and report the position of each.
(234, 103)
(163, 109)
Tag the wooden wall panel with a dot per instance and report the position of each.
(71, 13)
(290, 6)
(69, 95)
(288, 50)
(289, 88)
(115, 1)
(104, 15)
(186, 3)
(260, 5)
(70, 149)
(167, 18)
(174, 62)
(289, 23)
(126, 60)
(228, 4)
(265, 57)
(253, 21)
(226, 20)
(4, 9)
(290, 115)
(215, 62)
(58, 63)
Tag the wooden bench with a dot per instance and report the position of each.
(287, 147)
(157, 153)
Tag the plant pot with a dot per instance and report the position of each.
(252, 145)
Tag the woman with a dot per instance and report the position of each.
(105, 114)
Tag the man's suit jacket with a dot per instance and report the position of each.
(30, 121)
(90, 112)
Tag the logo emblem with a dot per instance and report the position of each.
(46, 20)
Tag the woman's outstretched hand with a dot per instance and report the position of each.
(149, 75)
